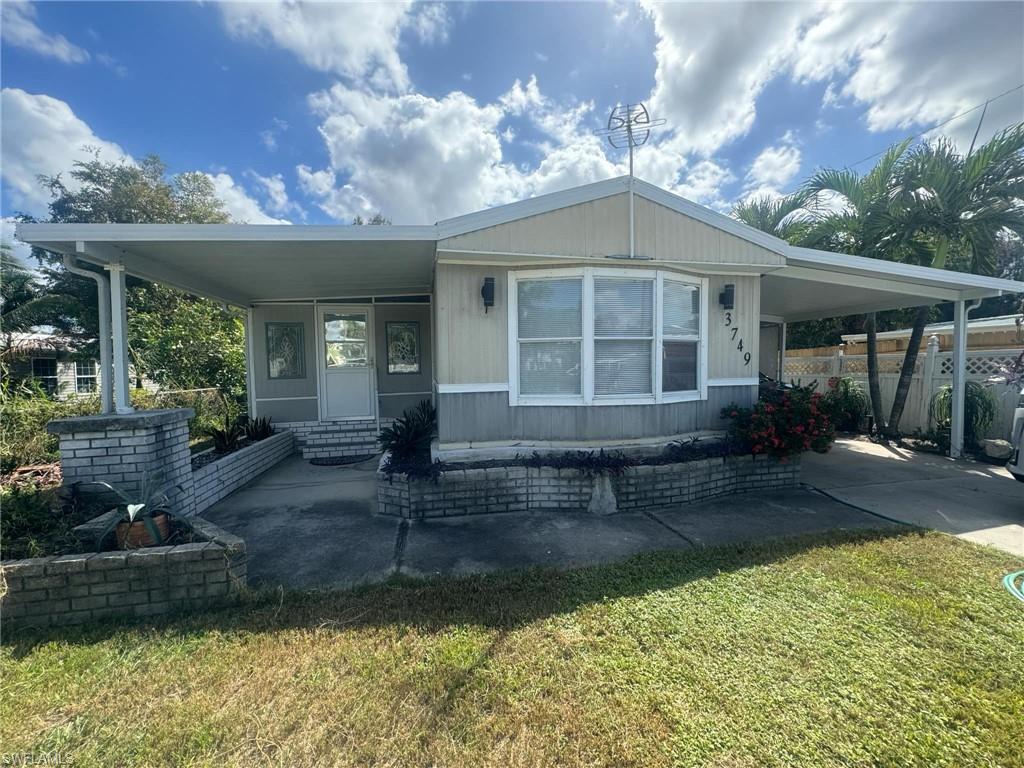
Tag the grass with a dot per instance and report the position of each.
(846, 649)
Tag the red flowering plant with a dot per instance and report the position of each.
(784, 422)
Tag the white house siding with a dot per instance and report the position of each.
(601, 228)
(487, 417)
(725, 359)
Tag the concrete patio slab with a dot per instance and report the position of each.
(481, 543)
(755, 516)
(308, 527)
(975, 501)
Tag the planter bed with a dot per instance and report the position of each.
(530, 485)
(78, 588)
(228, 472)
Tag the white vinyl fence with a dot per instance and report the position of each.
(934, 369)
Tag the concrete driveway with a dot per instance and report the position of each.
(975, 501)
(308, 527)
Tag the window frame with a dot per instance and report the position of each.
(387, 347)
(268, 327)
(587, 397)
(92, 377)
(43, 380)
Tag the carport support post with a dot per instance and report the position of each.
(119, 327)
(956, 432)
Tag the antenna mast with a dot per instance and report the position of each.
(629, 126)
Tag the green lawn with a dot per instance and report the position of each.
(833, 650)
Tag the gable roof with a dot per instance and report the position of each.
(553, 201)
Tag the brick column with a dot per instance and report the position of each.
(120, 448)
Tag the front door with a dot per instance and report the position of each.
(347, 374)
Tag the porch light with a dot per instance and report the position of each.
(487, 293)
(727, 298)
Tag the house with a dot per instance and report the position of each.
(1003, 332)
(608, 313)
(50, 360)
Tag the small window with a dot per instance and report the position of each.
(286, 351)
(85, 376)
(44, 371)
(403, 339)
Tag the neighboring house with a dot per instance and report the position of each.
(1003, 332)
(602, 314)
(50, 360)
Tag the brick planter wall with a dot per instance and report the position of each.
(330, 439)
(227, 474)
(522, 489)
(120, 448)
(74, 589)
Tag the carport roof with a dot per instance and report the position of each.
(244, 264)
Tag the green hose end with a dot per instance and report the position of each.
(1014, 583)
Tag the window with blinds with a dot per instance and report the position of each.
(623, 336)
(550, 328)
(680, 336)
(592, 336)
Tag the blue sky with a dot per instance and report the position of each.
(317, 113)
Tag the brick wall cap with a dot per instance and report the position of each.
(119, 421)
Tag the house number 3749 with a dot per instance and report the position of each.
(734, 337)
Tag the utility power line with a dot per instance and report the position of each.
(939, 125)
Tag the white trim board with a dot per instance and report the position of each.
(751, 381)
(457, 389)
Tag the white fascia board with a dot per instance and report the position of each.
(38, 234)
(964, 283)
(534, 206)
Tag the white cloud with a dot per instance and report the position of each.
(240, 206)
(419, 159)
(19, 28)
(42, 135)
(21, 251)
(358, 41)
(910, 65)
(712, 63)
(704, 182)
(774, 168)
(275, 192)
(269, 137)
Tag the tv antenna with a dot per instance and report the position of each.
(629, 126)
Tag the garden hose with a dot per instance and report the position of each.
(1010, 581)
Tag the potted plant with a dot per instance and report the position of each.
(144, 519)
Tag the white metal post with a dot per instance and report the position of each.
(103, 312)
(119, 328)
(782, 352)
(956, 437)
(632, 239)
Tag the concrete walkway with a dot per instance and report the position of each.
(309, 527)
(975, 501)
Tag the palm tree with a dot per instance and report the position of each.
(784, 217)
(953, 203)
(24, 302)
(858, 214)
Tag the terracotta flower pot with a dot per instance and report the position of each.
(135, 535)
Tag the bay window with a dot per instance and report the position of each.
(592, 336)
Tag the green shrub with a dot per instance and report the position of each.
(980, 411)
(846, 403)
(408, 438)
(37, 520)
(226, 438)
(258, 429)
(784, 422)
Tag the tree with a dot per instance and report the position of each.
(854, 214)
(784, 217)
(958, 207)
(170, 332)
(377, 220)
(25, 302)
